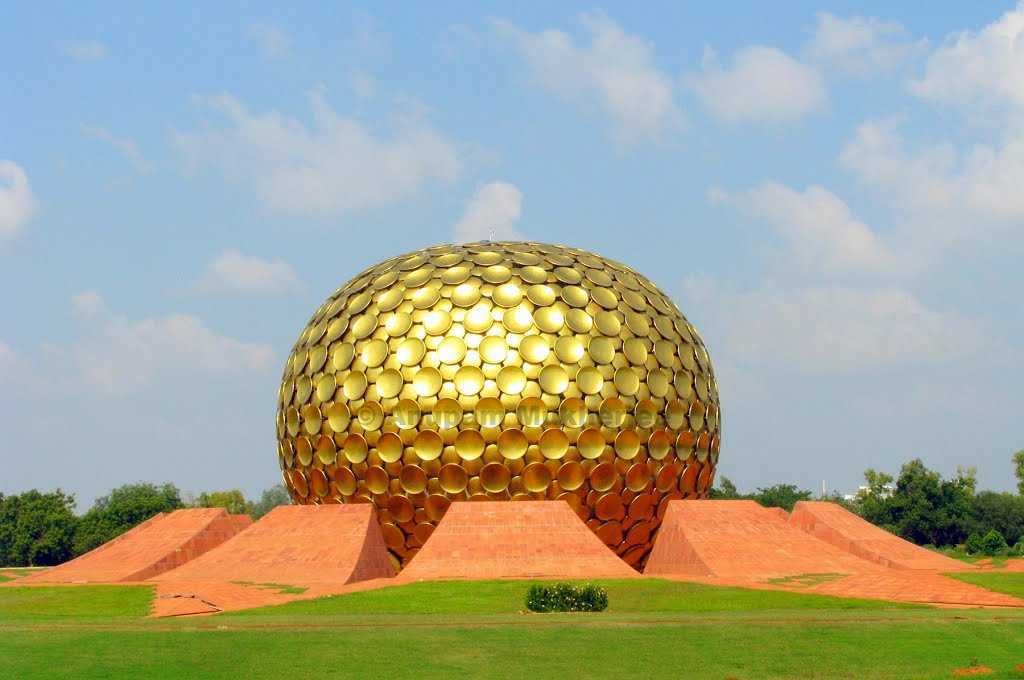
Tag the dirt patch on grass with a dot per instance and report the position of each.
(805, 580)
(971, 671)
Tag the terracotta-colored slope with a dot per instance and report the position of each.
(834, 524)
(500, 539)
(159, 544)
(741, 540)
(297, 545)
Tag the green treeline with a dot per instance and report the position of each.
(923, 507)
(41, 529)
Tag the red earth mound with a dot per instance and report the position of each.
(741, 543)
(740, 539)
(841, 528)
(159, 544)
(500, 539)
(297, 545)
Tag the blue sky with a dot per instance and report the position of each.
(831, 192)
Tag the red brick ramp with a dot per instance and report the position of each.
(741, 540)
(297, 545)
(160, 544)
(502, 539)
(838, 526)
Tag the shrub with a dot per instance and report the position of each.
(566, 597)
(992, 543)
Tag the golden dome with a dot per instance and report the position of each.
(500, 371)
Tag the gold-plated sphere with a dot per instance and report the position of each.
(494, 371)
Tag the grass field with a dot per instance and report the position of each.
(652, 628)
(1011, 583)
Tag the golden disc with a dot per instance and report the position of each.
(370, 416)
(466, 295)
(427, 382)
(553, 443)
(489, 412)
(452, 478)
(447, 413)
(390, 448)
(534, 349)
(478, 319)
(512, 444)
(428, 445)
(389, 383)
(571, 476)
(494, 477)
(469, 444)
(398, 324)
(493, 349)
(578, 321)
(589, 380)
(469, 380)
(452, 350)
(437, 322)
(511, 380)
(569, 349)
(553, 379)
(410, 352)
(531, 412)
(517, 320)
(407, 414)
(536, 477)
(590, 443)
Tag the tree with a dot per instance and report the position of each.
(36, 529)
(1018, 470)
(924, 508)
(782, 496)
(725, 490)
(1002, 512)
(233, 501)
(270, 499)
(122, 509)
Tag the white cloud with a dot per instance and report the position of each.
(16, 200)
(362, 84)
(834, 329)
(763, 84)
(88, 304)
(8, 362)
(819, 227)
(125, 145)
(234, 272)
(491, 214)
(274, 43)
(977, 70)
(86, 51)
(615, 73)
(953, 190)
(861, 46)
(116, 355)
(333, 167)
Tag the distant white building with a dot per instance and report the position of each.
(887, 491)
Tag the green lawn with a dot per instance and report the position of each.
(651, 629)
(77, 604)
(1011, 583)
